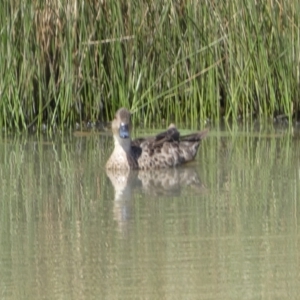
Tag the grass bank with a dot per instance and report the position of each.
(65, 62)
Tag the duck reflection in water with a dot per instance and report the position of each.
(171, 182)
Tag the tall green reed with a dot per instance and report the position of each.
(67, 62)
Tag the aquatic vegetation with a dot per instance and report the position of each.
(65, 62)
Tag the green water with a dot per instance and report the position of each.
(224, 227)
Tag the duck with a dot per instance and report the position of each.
(165, 150)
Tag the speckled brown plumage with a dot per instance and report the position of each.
(167, 149)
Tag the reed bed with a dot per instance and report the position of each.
(65, 62)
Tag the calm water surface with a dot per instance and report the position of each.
(223, 227)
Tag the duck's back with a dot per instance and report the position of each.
(166, 149)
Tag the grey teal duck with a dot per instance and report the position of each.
(167, 149)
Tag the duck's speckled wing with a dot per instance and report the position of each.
(166, 149)
(171, 134)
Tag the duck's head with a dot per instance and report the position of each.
(121, 126)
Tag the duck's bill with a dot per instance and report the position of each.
(124, 131)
